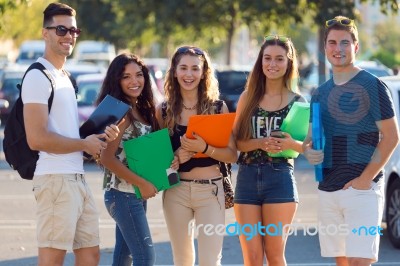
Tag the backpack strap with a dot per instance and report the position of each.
(46, 72)
(224, 168)
(73, 81)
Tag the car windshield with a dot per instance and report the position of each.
(88, 92)
(10, 84)
(377, 72)
(232, 82)
(30, 55)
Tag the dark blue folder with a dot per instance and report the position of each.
(109, 111)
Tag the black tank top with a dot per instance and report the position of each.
(178, 132)
(194, 162)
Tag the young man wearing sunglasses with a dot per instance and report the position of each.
(66, 213)
(361, 132)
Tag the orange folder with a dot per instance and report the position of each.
(214, 129)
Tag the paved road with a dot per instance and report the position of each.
(17, 225)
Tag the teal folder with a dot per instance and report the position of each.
(150, 156)
(296, 124)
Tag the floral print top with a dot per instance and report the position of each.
(262, 123)
(135, 130)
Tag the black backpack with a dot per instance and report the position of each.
(16, 149)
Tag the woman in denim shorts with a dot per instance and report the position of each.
(266, 193)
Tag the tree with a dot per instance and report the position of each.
(138, 24)
(23, 20)
(7, 6)
(387, 39)
(224, 16)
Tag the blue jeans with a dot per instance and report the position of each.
(132, 232)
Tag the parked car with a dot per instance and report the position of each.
(231, 85)
(392, 173)
(8, 88)
(375, 68)
(76, 69)
(97, 52)
(157, 67)
(89, 86)
(30, 51)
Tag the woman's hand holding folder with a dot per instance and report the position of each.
(147, 189)
(196, 145)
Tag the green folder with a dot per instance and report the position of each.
(296, 124)
(150, 157)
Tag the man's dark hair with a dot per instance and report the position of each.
(55, 9)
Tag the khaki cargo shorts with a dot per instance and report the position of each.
(66, 215)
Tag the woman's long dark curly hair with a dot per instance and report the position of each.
(112, 86)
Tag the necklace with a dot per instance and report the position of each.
(189, 108)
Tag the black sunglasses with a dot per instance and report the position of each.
(191, 49)
(62, 30)
(344, 22)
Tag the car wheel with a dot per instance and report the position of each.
(393, 213)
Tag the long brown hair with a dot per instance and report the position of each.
(208, 91)
(255, 86)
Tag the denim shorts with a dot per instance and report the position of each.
(259, 184)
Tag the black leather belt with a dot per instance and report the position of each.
(202, 181)
(278, 159)
(269, 160)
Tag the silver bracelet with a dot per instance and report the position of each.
(212, 151)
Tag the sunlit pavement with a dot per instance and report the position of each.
(17, 225)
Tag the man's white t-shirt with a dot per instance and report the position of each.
(63, 117)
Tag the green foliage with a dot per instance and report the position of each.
(7, 6)
(96, 19)
(386, 58)
(23, 21)
(387, 35)
(386, 42)
(156, 27)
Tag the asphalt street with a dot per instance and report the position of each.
(17, 225)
